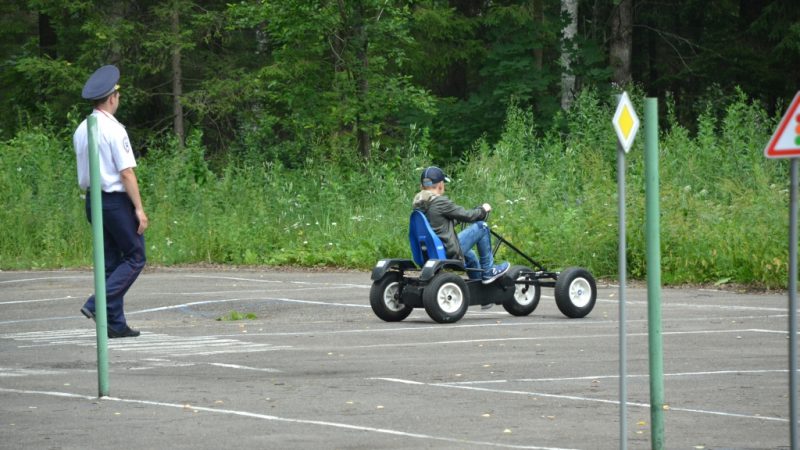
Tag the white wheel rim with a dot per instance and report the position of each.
(450, 298)
(524, 294)
(390, 297)
(580, 292)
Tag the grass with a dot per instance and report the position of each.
(724, 206)
(236, 315)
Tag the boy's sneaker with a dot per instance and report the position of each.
(495, 272)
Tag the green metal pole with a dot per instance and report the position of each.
(653, 273)
(793, 308)
(99, 258)
(622, 264)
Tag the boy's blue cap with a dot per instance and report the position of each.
(102, 83)
(433, 175)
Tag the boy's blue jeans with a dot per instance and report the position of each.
(477, 235)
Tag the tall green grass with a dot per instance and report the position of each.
(724, 206)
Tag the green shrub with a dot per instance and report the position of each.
(723, 205)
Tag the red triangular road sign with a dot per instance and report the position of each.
(785, 143)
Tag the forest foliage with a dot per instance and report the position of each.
(283, 80)
(305, 125)
(724, 206)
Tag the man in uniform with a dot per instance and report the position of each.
(124, 220)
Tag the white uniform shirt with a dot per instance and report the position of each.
(113, 147)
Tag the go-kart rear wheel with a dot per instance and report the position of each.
(576, 292)
(446, 297)
(384, 297)
(526, 296)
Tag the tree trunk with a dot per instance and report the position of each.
(364, 141)
(538, 20)
(621, 42)
(47, 37)
(177, 83)
(362, 82)
(568, 7)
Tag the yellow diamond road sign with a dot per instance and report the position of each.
(626, 122)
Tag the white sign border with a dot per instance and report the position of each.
(624, 101)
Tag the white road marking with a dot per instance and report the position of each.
(236, 366)
(614, 377)
(15, 302)
(25, 280)
(267, 417)
(309, 283)
(229, 300)
(583, 399)
(152, 343)
(671, 305)
(6, 372)
(542, 338)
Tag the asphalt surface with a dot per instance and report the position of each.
(317, 369)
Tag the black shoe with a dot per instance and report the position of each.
(89, 314)
(127, 332)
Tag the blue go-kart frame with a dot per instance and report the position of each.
(445, 294)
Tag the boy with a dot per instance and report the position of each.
(443, 215)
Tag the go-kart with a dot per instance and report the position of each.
(446, 295)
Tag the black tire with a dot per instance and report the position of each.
(384, 297)
(576, 292)
(446, 297)
(526, 296)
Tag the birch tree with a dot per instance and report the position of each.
(569, 9)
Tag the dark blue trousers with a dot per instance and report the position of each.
(124, 254)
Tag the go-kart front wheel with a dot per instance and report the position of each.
(576, 292)
(446, 298)
(384, 297)
(526, 296)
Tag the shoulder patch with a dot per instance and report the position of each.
(127, 144)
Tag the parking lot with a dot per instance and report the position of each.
(316, 369)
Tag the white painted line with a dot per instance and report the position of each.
(399, 380)
(42, 319)
(537, 323)
(10, 372)
(615, 377)
(307, 283)
(16, 302)
(759, 330)
(214, 277)
(152, 343)
(589, 400)
(25, 280)
(158, 363)
(236, 366)
(446, 328)
(538, 338)
(230, 300)
(250, 415)
(313, 302)
(246, 291)
(670, 305)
